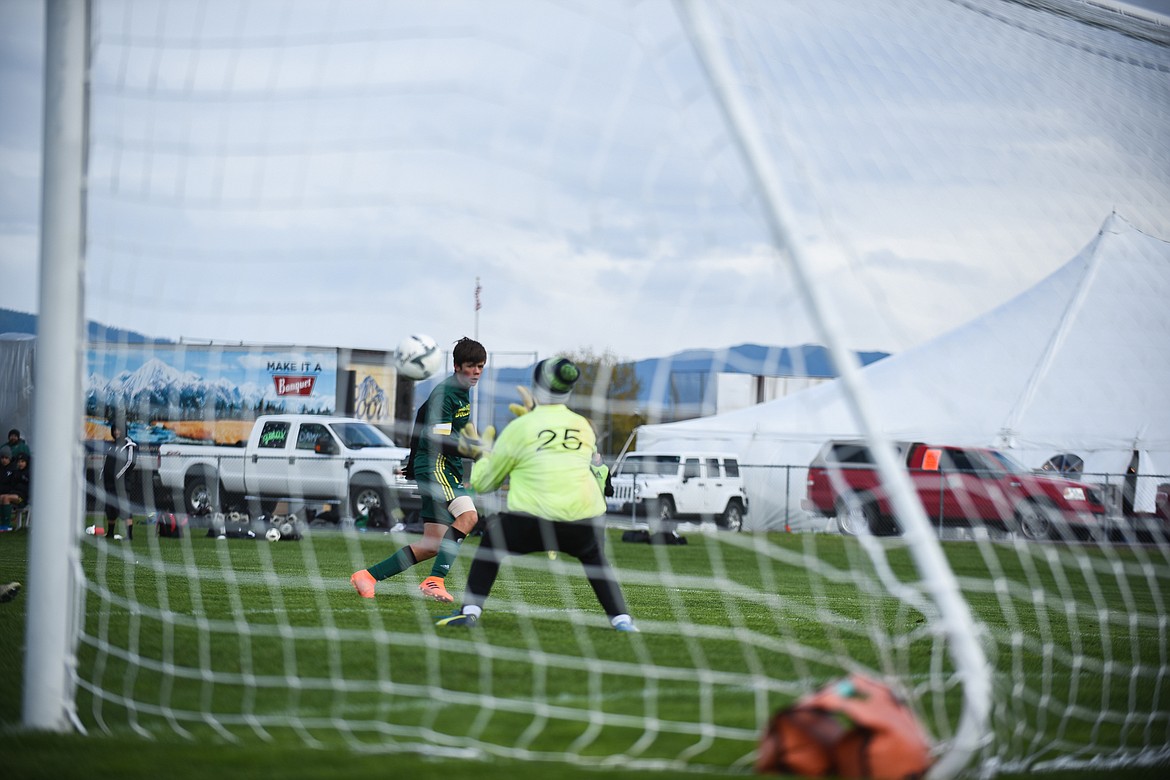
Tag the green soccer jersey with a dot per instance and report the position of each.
(547, 454)
(446, 412)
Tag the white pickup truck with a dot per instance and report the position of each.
(292, 456)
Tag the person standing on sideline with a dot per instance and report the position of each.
(118, 465)
(555, 501)
(447, 511)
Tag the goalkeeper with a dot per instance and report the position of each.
(555, 503)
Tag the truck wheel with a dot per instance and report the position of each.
(366, 496)
(1033, 521)
(201, 493)
(732, 517)
(855, 514)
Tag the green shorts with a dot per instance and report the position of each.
(438, 488)
(436, 495)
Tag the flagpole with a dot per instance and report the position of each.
(475, 390)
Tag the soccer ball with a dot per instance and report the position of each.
(272, 535)
(418, 357)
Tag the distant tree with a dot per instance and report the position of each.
(606, 394)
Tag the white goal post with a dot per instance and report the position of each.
(53, 551)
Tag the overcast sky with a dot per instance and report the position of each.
(266, 172)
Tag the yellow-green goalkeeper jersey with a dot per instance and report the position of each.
(547, 454)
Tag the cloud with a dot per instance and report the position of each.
(340, 174)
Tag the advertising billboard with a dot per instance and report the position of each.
(203, 393)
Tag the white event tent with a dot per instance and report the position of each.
(1079, 363)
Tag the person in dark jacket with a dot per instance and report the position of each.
(118, 466)
(17, 444)
(7, 467)
(15, 482)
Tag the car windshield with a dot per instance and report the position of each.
(650, 464)
(1008, 463)
(358, 435)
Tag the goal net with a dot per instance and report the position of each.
(840, 256)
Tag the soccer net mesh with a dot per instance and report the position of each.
(634, 180)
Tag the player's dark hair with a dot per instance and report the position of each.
(468, 351)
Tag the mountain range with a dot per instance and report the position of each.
(12, 321)
(157, 384)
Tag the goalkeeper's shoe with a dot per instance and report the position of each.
(363, 582)
(432, 588)
(627, 626)
(458, 619)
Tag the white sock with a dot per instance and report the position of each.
(473, 610)
(619, 619)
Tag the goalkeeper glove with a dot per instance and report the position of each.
(472, 444)
(526, 402)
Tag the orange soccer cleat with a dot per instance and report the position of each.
(432, 587)
(363, 582)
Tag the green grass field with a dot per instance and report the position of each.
(311, 681)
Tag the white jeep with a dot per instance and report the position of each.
(665, 487)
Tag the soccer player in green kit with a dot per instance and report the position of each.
(555, 501)
(436, 464)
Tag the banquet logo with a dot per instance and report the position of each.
(294, 385)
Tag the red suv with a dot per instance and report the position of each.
(958, 486)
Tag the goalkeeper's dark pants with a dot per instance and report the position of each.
(510, 533)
